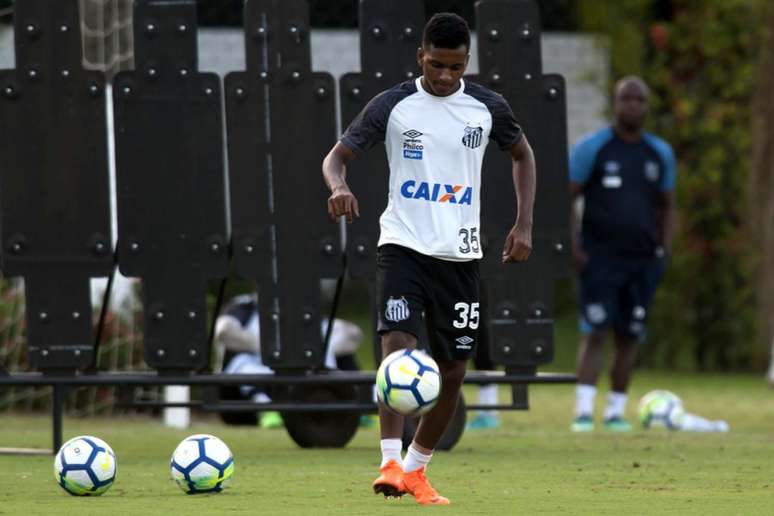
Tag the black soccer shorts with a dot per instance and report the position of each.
(415, 289)
(617, 293)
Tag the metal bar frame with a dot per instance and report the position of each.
(60, 383)
(335, 378)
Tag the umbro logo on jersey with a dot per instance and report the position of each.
(437, 192)
(473, 137)
(412, 145)
(611, 167)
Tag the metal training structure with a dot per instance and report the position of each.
(184, 221)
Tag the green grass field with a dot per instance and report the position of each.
(532, 465)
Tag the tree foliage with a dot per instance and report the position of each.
(699, 58)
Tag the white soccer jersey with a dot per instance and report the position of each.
(435, 147)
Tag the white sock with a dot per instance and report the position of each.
(415, 459)
(584, 399)
(391, 449)
(616, 404)
(487, 395)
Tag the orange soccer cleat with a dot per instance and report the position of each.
(418, 485)
(390, 482)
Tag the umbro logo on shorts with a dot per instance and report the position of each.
(464, 342)
(397, 310)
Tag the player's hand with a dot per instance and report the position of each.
(518, 245)
(343, 202)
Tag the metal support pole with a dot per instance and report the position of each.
(57, 402)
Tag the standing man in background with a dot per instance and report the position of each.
(626, 177)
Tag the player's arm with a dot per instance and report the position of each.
(667, 220)
(230, 333)
(518, 244)
(334, 168)
(666, 200)
(579, 256)
(582, 159)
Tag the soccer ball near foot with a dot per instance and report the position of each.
(202, 464)
(85, 466)
(408, 382)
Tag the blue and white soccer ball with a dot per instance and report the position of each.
(85, 466)
(661, 408)
(202, 464)
(408, 382)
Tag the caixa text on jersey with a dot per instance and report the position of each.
(437, 192)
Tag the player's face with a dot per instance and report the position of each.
(631, 106)
(442, 68)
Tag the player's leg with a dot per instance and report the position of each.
(433, 424)
(634, 302)
(589, 365)
(390, 480)
(453, 319)
(391, 423)
(624, 355)
(431, 428)
(599, 283)
(399, 295)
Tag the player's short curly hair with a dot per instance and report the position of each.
(446, 30)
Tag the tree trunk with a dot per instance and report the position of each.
(771, 367)
(761, 185)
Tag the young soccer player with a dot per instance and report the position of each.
(435, 130)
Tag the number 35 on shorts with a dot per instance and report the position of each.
(467, 316)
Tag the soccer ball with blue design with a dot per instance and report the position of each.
(408, 382)
(661, 408)
(202, 464)
(85, 466)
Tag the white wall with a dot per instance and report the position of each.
(583, 63)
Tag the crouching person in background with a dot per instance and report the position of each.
(238, 351)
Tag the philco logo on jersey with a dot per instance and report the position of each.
(437, 192)
(473, 137)
(412, 145)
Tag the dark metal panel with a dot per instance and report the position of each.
(249, 160)
(390, 33)
(521, 296)
(58, 333)
(170, 182)
(281, 123)
(55, 220)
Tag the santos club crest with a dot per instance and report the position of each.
(397, 310)
(473, 137)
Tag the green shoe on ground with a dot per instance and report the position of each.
(271, 419)
(617, 424)
(583, 424)
(367, 421)
(483, 422)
